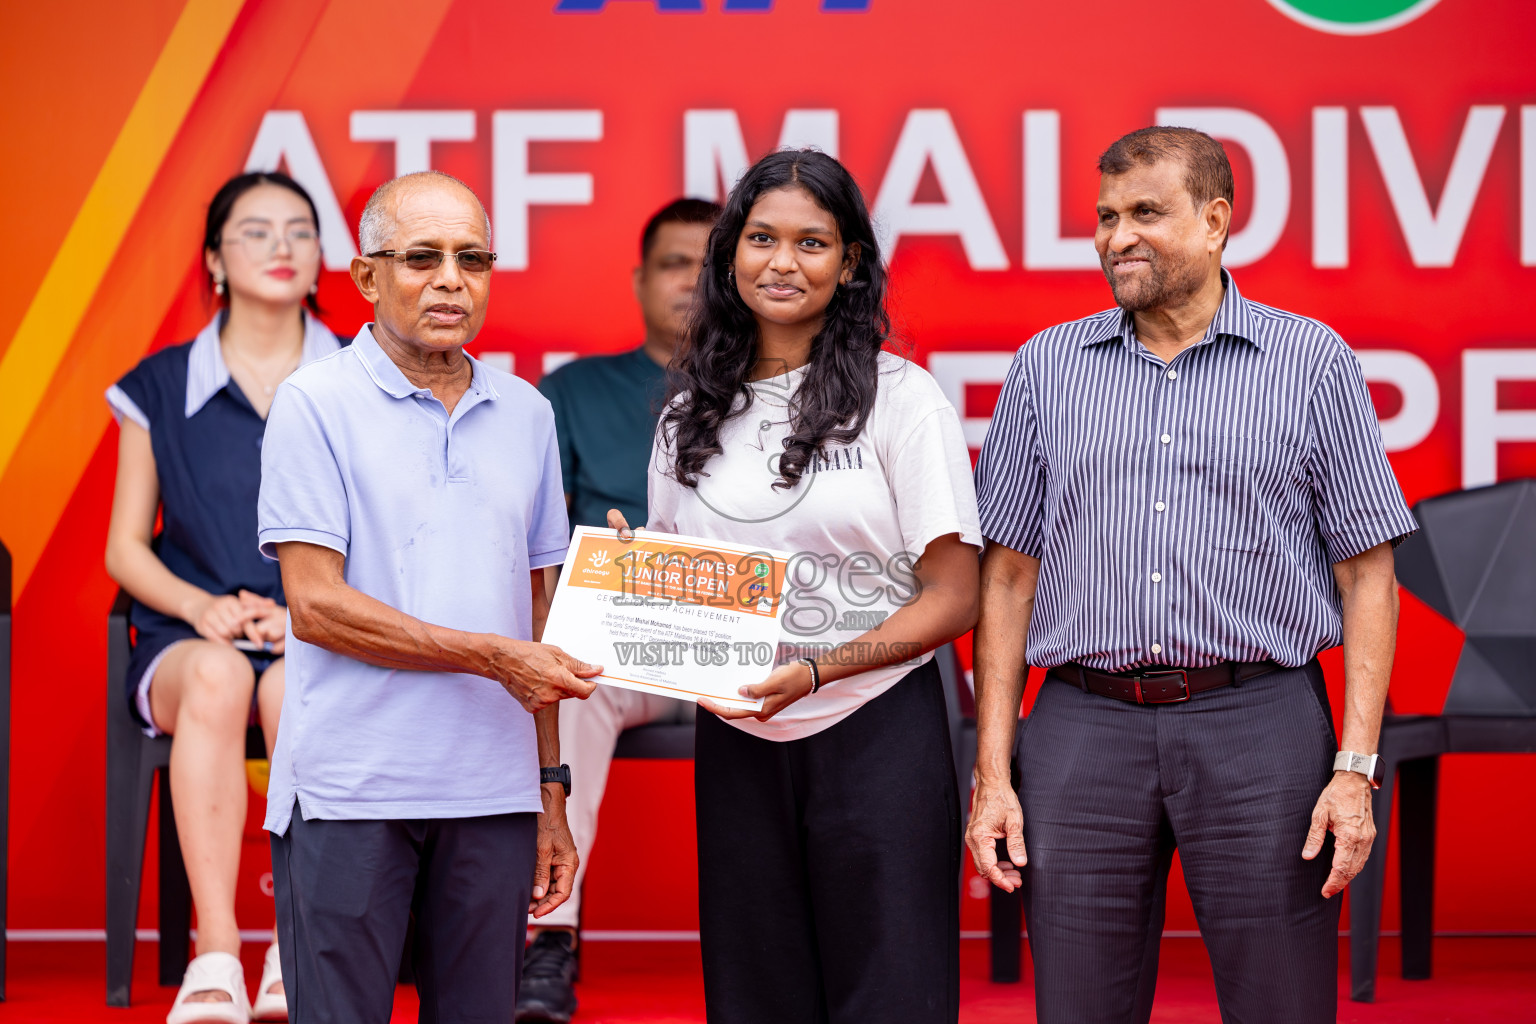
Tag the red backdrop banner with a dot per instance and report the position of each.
(1385, 153)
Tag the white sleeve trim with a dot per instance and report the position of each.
(270, 538)
(123, 406)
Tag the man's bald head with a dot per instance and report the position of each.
(377, 225)
(431, 305)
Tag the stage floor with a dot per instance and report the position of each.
(1490, 981)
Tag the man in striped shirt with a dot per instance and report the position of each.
(1185, 499)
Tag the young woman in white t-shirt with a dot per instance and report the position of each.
(828, 823)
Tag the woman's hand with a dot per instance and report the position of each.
(268, 624)
(616, 521)
(784, 685)
(219, 618)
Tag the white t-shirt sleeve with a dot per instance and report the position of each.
(930, 480)
(662, 491)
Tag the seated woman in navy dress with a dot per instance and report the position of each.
(208, 610)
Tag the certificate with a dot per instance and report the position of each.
(679, 616)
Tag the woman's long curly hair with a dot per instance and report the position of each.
(719, 343)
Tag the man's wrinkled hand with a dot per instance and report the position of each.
(995, 814)
(538, 675)
(555, 869)
(1345, 810)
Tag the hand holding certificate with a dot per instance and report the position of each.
(678, 616)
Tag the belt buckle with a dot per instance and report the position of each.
(1183, 681)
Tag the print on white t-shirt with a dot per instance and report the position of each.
(857, 519)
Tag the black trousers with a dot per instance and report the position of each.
(829, 867)
(345, 891)
(1230, 779)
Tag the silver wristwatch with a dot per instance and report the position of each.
(1369, 765)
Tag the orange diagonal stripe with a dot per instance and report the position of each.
(98, 229)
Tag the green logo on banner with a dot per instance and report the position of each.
(1353, 17)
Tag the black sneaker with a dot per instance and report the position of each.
(547, 993)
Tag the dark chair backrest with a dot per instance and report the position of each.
(1474, 561)
(5, 744)
(119, 647)
(656, 741)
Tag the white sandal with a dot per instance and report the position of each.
(270, 1005)
(212, 972)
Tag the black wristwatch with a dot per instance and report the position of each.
(561, 775)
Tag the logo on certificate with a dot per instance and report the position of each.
(639, 605)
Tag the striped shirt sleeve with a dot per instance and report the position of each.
(1356, 496)
(1010, 474)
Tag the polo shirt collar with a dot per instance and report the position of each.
(1234, 319)
(394, 383)
(208, 374)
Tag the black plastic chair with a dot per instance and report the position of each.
(133, 760)
(5, 747)
(1473, 561)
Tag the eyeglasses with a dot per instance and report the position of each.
(471, 261)
(259, 243)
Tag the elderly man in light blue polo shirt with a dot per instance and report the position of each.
(413, 498)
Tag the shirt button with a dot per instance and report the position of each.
(1157, 577)
(1166, 438)
(1157, 648)
(1173, 374)
(1159, 506)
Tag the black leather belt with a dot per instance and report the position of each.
(1160, 685)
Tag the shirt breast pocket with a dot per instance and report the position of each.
(1247, 480)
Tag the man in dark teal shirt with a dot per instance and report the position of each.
(606, 408)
